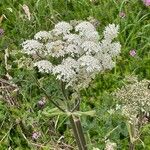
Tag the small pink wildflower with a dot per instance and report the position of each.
(132, 53)
(1, 32)
(42, 102)
(35, 135)
(122, 14)
(146, 2)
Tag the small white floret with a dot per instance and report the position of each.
(64, 73)
(44, 66)
(72, 49)
(32, 47)
(70, 62)
(73, 39)
(84, 27)
(90, 47)
(43, 35)
(115, 49)
(90, 63)
(55, 49)
(107, 62)
(62, 28)
(90, 36)
(111, 31)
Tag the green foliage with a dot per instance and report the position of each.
(17, 123)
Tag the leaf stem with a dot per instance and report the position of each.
(49, 97)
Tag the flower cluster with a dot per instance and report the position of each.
(146, 2)
(79, 53)
(135, 98)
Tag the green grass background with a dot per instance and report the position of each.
(18, 124)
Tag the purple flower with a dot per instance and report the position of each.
(146, 2)
(35, 135)
(41, 102)
(1, 32)
(122, 14)
(132, 53)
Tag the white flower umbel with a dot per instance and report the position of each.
(77, 56)
(32, 47)
(75, 51)
(62, 28)
(72, 50)
(64, 72)
(73, 39)
(111, 48)
(84, 27)
(43, 35)
(71, 63)
(90, 47)
(115, 49)
(90, 36)
(107, 62)
(105, 46)
(55, 49)
(111, 32)
(135, 96)
(44, 66)
(90, 63)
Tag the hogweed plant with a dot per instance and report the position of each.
(135, 106)
(74, 54)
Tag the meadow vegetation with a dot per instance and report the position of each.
(28, 120)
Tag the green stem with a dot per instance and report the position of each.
(81, 133)
(131, 131)
(48, 96)
(75, 121)
(78, 132)
(77, 106)
(64, 92)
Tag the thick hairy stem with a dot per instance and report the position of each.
(78, 132)
(75, 121)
